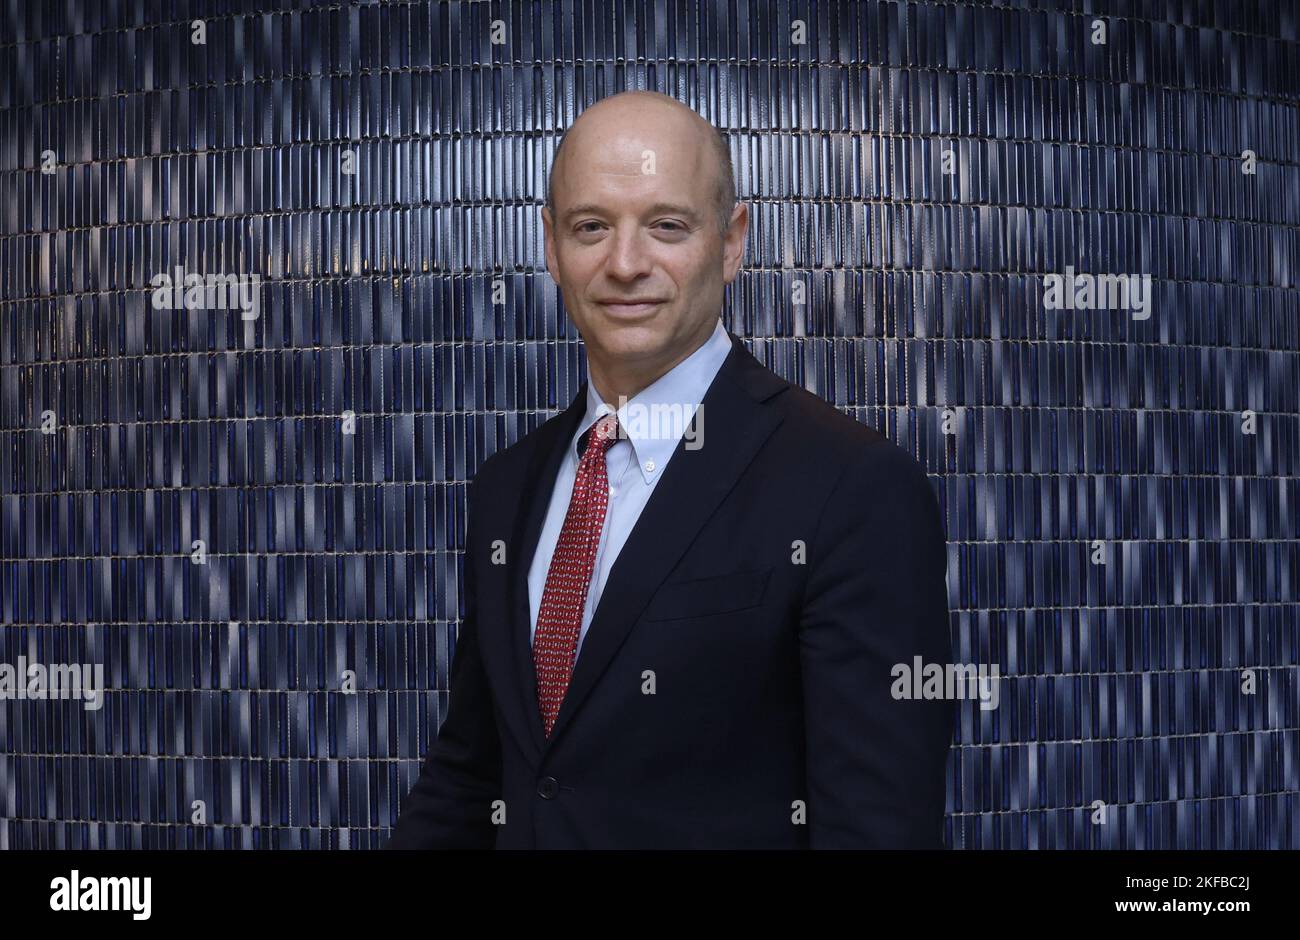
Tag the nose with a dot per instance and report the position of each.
(627, 258)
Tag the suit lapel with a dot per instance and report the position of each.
(735, 423)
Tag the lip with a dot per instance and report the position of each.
(622, 308)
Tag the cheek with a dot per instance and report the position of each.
(696, 274)
(585, 261)
(575, 268)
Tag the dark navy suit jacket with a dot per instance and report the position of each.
(733, 689)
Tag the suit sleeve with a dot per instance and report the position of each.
(875, 598)
(450, 805)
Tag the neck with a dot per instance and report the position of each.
(616, 379)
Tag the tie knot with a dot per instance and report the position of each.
(605, 431)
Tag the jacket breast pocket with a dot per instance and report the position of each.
(704, 597)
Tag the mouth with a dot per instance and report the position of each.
(630, 308)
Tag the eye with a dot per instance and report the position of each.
(672, 226)
(585, 226)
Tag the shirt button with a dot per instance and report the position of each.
(612, 491)
(649, 466)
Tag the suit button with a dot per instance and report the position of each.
(548, 788)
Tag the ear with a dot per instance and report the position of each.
(733, 243)
(548, 239)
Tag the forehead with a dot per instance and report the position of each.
(624, 161)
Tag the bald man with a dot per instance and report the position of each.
(699, 601)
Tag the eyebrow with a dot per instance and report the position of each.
(659, 208)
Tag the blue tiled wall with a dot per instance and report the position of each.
(1121, 546)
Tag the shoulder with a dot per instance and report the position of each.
(855, 454)
(507, 466)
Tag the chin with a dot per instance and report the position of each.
(631, 338)
(650, 347)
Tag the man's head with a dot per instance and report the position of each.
(641, 207)
(725, 175)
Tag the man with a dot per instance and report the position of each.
(683, 633)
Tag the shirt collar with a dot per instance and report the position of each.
(655, 432)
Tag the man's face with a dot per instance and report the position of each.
(635, 245)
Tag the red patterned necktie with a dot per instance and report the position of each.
(559, 619)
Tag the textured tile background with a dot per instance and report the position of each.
(328, 551)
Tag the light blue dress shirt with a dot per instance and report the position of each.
(634, 464)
